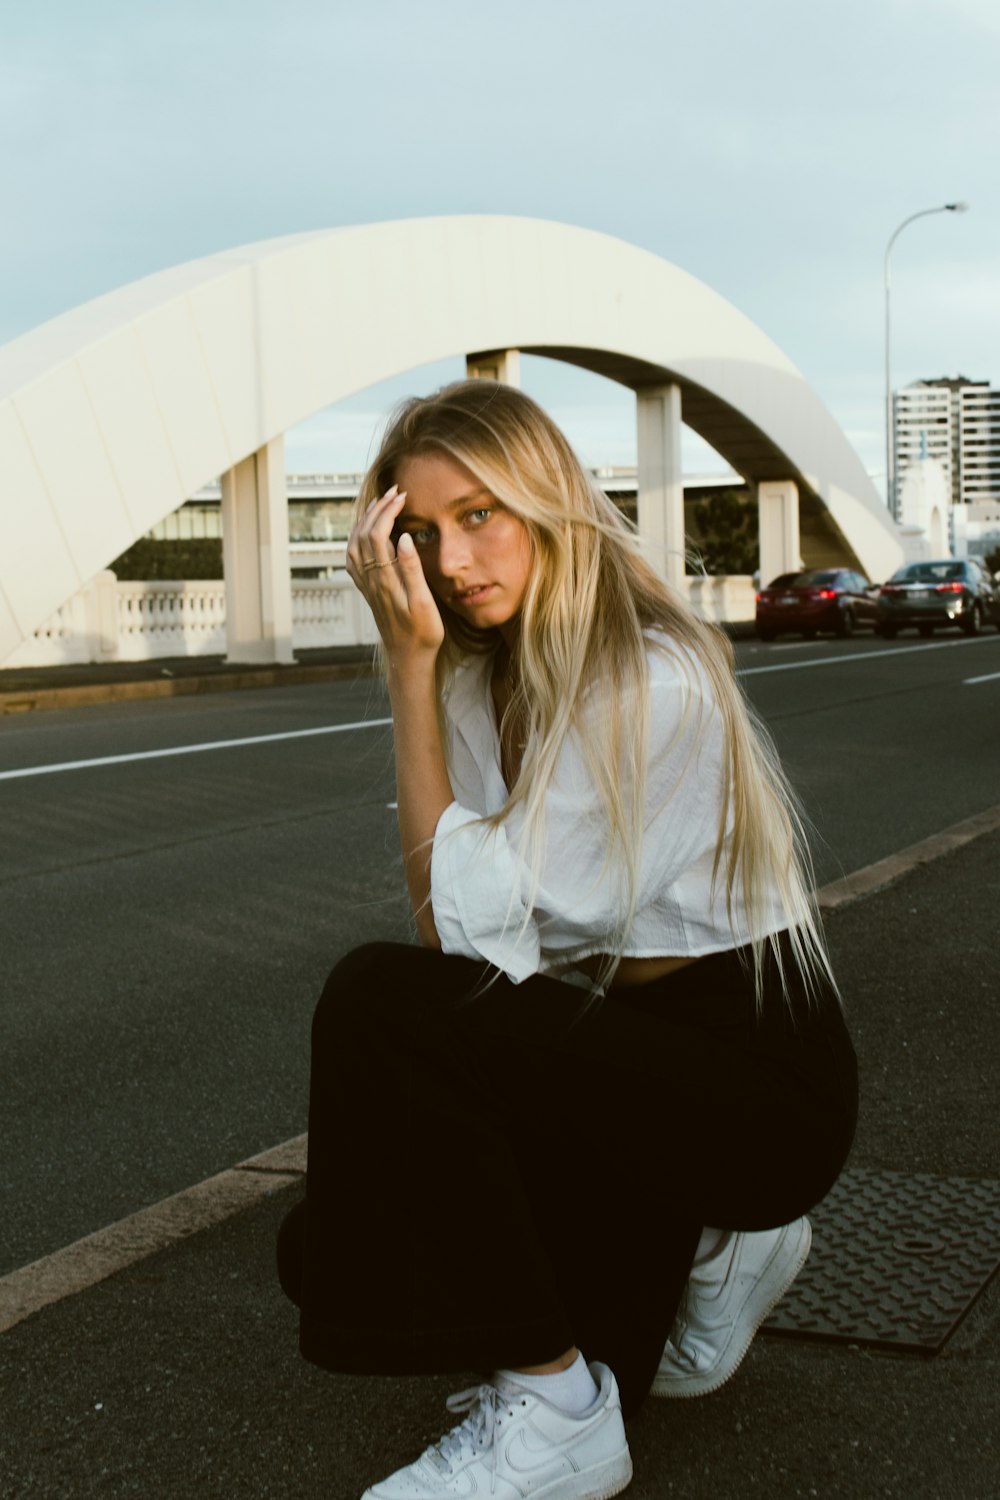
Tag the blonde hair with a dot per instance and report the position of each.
(591, 599)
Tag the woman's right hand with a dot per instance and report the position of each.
(392, 580)
(409, 622)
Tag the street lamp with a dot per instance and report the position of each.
(890, 426)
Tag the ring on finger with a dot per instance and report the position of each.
(369, 563)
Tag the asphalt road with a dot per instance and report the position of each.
(168, 920)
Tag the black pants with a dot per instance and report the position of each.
(497, 1174)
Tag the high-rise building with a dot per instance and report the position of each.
(979, 444)
(957, 423)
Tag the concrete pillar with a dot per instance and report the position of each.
(660, 481)
(102, 617)
(778, 513)
(255, 558)
(497, 364)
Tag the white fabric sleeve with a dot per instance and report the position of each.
(476, 895)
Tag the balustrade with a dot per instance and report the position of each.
(117, 621)
(127, 621)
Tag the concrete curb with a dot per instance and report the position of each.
(38, 699)
(27, 700)
(101, 1254)
(885, 871)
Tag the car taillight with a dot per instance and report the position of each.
(889, 588)
(949, 588)
(827, 593)
(759, 597)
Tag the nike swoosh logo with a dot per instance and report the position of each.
(524, 1459)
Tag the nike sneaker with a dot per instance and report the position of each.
(512, 1444)
(727, 1298)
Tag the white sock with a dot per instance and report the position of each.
(572, 1389)
(710, 1241)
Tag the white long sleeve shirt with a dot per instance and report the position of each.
(481, 878)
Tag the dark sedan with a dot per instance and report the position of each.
(932, 594)
(834, 599)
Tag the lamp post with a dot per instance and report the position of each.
(890, 426)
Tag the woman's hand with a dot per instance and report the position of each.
(410, 624)
(392, 580)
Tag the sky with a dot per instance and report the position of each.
(770, 149)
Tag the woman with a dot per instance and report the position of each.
(620, 1026)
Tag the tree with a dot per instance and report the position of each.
(199, 557)
(724, 532)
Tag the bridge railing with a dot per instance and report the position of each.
(111, 620)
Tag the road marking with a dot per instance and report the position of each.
(990, 677)
(297, 734)
(835, 661)
(255, 739)
(107, 1251)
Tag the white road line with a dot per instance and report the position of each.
(295, 734)
(990, 677)
(835, 661)
(256, 739)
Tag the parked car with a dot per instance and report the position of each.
(834, 599)
(931, 594)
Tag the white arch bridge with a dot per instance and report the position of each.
(115, 413)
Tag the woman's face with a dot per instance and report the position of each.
(476, 555)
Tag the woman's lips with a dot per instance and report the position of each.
(473, 595)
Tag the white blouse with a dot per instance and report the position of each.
(481, 876)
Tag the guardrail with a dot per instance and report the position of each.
(111, 620)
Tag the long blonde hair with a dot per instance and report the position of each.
(591, 600)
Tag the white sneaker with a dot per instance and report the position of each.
(513, 1444)
(726, 1299)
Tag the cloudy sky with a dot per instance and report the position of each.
(768, 148)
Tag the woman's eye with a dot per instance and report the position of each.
(479, 515)
(422, 536)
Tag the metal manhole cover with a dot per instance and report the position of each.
(896, 1261)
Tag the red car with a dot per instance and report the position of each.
(832, 599)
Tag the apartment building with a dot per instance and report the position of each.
(956, 422)
(979, 445)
